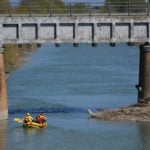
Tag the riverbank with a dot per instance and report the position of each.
(136, 112)
(15, 56)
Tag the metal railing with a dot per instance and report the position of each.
(34, 8)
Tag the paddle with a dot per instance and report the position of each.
(18, 120)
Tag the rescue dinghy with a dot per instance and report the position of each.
(34, 125)
(30, 124)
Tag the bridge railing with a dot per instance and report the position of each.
(111, 8)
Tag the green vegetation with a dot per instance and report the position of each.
(4, 7)
(123, 6)
(79, 8)
(40, 6)
(49, 6)
(58, 7)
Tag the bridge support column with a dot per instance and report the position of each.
(144, 75)
(3, 89)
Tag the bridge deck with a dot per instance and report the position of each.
(75, 29)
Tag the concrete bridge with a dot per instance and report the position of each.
(78, 28)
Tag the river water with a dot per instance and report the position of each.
(63, 83)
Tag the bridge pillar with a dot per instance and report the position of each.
(3, 89)
(144, 75)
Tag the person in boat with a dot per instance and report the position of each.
(28, 118)
(43, 118)
(40, 118)
(37, 119)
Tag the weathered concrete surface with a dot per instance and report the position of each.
(3, 89)
(75, 29)
(144, 74)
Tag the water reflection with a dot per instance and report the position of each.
(21, 132)
(25, 138)
(34, 131)
(3, 134)
(136, 134)
(144, 130)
